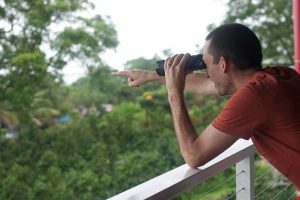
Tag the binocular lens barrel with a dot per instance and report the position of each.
(195, 62)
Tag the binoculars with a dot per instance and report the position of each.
(195, 62)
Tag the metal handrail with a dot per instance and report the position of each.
(174, 182)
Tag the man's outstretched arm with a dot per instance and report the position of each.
(195, 82)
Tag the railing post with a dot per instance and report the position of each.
(245, 180)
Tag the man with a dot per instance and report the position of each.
(264, 103)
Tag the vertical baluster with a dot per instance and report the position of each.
(245, 180)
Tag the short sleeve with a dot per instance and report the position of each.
(242, 115)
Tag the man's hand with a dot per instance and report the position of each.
(175, 74)
(138, 78)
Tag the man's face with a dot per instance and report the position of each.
(215, 71)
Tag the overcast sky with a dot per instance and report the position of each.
(147, 27)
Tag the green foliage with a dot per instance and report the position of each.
(141, 63)
(32, 52)
(50, 165)
(272, 22)
(86, 42)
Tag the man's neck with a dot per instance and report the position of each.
(241, 78)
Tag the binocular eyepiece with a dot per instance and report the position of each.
(195, 62)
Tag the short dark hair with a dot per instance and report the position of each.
(236, 43)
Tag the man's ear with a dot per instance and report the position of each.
(224, 64)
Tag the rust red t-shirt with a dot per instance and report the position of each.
(267, 110)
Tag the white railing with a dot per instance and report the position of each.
(174, 182)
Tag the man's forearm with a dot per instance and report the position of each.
(185, 131)
(154, 77)
(199, 83)
(195, 83)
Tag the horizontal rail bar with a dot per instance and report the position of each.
(174, 182)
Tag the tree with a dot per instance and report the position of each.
(271, 21)
(142, 63)
(34, 47)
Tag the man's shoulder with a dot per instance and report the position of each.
(281, 72)
(273, 78)
(270, 83)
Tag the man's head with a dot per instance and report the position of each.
(231, 52)
(236, 43)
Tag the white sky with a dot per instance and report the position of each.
(147, 27)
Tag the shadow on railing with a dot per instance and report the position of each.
(176, 181)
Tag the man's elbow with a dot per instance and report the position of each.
(193, 163)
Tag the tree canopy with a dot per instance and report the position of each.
(35, 47)
(272, 22)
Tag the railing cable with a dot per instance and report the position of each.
(214, 188)
(234, 194)
(263, 175)
(293, 196)
(281, 191)
(266, 188)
